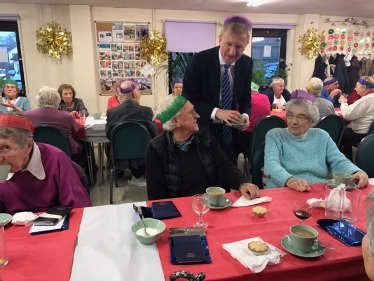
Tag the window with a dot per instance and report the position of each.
(10, 54)
(268, 51)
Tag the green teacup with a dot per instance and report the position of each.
(303, 237)
(216, 196)
(340, 178)
(96, 115)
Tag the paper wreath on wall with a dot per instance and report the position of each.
(54, 41)
(310, 44)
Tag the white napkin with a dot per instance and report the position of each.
(23, 218)
(239, 250)
(333, 201)
(316, 203)
(242, 201)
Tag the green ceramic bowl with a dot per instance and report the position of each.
(349, 185)
(154, 225)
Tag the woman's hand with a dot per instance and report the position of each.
(362, 179)
(298, 184)
(342, 99)
(11, 105)
(75, 114)
(249, 191)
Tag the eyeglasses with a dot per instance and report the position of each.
(299, 117)
(7, 150)
(192, 112)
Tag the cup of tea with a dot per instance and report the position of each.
(303, 237)
(4, 171)
(216, 195)
(340, 178)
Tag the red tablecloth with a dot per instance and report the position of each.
(282, 114)
(235, 224)
(40, 257)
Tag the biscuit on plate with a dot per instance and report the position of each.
(259, 211)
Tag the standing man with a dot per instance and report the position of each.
(218, 83)
(331, 91)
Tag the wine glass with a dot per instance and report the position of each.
(302, 210)
(201, 206)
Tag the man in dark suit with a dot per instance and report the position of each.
(215, 74)
(131, 110)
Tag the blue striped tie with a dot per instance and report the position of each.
(226, 103)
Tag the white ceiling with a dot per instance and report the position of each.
(351, 8)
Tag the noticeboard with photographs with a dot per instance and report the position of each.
(118, 53)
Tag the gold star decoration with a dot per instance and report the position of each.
(310, 43)
(154, 48)
(54, 41)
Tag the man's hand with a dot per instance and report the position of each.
(334, 93)
(298, 184)
(280, 106)
(245, 122)
(362, 179)
(342, 99)
(250, 191)
(228, 116)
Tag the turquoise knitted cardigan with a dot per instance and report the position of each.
(311, 158)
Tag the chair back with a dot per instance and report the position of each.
(257, 164)
(365, 155)
(262, 126)
(54, 136)
(333, 125)
(87, 182)
(128, 140)
(371, 128)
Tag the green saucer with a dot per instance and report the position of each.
(287, 245)
(227, 204)
(5, 218)
(349, 185)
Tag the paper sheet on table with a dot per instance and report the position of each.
(243, 202)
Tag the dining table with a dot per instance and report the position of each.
(99, 244)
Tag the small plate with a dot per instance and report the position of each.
(227, 204)
(287, 245)
(349, 185)
(5, 218)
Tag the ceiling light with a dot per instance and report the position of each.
(255, 3)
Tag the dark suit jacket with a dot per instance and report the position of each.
(202, 84)
(270, 94)
(130, 111)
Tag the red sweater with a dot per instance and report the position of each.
(112, 102)
(260, 108)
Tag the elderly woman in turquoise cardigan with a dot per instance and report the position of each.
(11, 102)
(300, 155)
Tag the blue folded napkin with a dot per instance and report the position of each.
(343, 230)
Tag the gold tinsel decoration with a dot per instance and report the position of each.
(54, 41)
(154, 48)
(310, 43)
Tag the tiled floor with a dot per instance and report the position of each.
(125, 192)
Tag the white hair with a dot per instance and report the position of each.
(315, 86)
(275, 81)
(313, 112)
(48, 97)
(167, 126)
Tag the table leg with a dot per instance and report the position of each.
(101, 156)
(89, 162)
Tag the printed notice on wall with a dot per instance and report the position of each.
(267, 51)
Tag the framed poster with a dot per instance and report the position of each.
(119, 55)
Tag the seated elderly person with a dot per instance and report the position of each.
(41, 176)
(177, 86)
(300, 155)
(183, 161)
(360, 113)
(48, 113)
(368, 241)
(331, 91)
(70, 103)
(11, 102)
(325, 107)
(277, 94)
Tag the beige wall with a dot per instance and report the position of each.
(80, 69)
